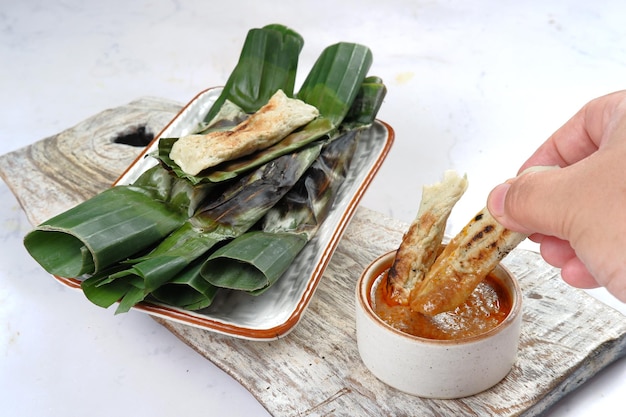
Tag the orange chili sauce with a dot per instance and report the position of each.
(487, 306)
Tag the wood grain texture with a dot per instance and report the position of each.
(58, 172)
(567, 335)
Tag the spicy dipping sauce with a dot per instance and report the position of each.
(487, 306)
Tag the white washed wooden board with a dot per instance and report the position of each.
(567, 335)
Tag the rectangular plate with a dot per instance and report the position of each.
(274, 313)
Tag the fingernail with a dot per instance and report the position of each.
(496, 199)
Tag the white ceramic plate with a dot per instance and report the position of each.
(274, 313)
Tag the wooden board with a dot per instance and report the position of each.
(567, 335)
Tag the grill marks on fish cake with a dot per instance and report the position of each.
(409, 263)
(463, 264)
(432, 282)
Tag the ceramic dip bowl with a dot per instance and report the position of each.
(431, 367)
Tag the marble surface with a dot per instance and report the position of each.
(474, 86)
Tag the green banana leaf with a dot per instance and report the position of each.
(188, 290)
(114, 225)
(252, 261)
(109, 295)
(366, 105)
(101, 231)
(179, 194)
(255, 260)
(335, 79)
(272, 53)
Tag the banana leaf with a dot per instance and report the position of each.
(179, 194)
(236, 210)
(366, 105)
(272, 53)
(105, 296)
(332, 85)
(188, 290)
(255, 260)
(335, 83)
(274, 50)
(169, 258)
(113, 225)
(335, 79)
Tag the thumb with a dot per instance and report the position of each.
(530, 202)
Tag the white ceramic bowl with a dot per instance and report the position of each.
(435, 368)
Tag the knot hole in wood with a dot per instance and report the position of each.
(137, 136)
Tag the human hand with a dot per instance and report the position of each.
(576, 213)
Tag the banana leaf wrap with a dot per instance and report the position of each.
(236, 210)
(335, 79)
(332, 85)
(272, 52)
(189, 290)
(222, 121)
(257, 259)
(107, 295)
(113, 225)
(366, 104)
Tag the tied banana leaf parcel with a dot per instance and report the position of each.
(151, 239)
(254, 261)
